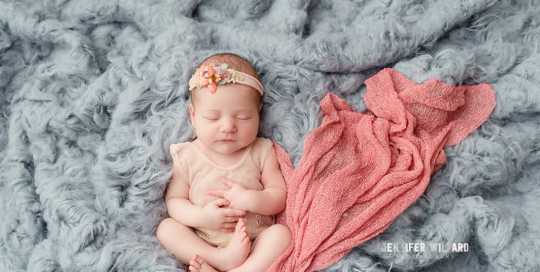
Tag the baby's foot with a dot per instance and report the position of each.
(197, 264)
(238, 249)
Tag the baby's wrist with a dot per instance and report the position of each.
(253, 198)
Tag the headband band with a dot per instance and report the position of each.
(211, 76)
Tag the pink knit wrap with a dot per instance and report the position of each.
(359, 171)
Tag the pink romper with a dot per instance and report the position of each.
(202, 174)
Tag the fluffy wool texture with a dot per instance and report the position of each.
(92, 93)
(359, 171)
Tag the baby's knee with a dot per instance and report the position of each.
(165, 229)
(282, 232)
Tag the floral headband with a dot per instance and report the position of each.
(211, 76)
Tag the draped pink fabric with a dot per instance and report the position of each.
(359, 171)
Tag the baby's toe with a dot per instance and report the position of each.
(196, 261)
(194, 265)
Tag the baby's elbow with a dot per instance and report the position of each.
(282, 201)
(172, 203)
(281, 208)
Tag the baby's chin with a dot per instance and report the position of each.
(228, 148)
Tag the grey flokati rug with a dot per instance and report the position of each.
(92, 93)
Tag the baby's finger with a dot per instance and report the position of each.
(218, 193)
(234, 213)
(227, 229)
(228, 225)
(228, 182)
(220, 202)
(232, 219)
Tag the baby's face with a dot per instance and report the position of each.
(228, 120)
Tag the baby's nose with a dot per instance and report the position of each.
(228, 126)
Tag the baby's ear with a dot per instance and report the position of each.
(191, 113)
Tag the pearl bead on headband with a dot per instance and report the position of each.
(211, 76)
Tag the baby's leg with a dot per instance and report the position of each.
(184, 243)
(268, 246)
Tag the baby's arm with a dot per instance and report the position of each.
(211, 216)
(272, 199)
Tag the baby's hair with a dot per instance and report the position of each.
(234, 62)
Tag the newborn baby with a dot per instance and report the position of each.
(226, 185)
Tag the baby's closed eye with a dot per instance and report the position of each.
(211, 117)
(243, 117)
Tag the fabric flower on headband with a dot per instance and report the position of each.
(210, 76)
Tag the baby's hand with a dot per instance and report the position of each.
(237, 195)
(215, 217)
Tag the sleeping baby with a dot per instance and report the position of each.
(226, 185)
